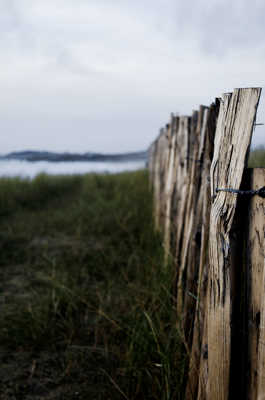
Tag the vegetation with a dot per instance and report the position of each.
(257, 157)
(87, 308)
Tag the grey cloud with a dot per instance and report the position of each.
(222, 26)
(9, 17)
(219, 26)
(112, 82)
(16, 34)
(64, 60)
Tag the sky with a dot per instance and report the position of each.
(104, 75)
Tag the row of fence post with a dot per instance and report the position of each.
(216, 240)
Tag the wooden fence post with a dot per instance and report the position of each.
(190, 248)
(219, 257)
(170, 182)
(181, 188)
(197, 372)
(159, 171)
(233, 135)
(256, 290)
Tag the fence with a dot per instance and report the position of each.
(216, 239)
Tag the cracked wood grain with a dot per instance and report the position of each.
(232, 140)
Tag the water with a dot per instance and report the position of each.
(27, 169)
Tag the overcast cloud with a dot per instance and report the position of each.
(104, 75)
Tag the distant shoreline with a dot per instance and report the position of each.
(28, 169)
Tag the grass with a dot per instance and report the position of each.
(257, 157)
(87, 301)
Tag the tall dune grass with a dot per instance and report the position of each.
(90, 284)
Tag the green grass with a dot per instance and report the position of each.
(83, 277)
(257, 157)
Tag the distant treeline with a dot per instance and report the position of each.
(256, 158)
(34, 156)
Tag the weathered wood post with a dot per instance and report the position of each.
(170, 182)
(255, 284)
(232, 140)
(220, 270)
(197, 364)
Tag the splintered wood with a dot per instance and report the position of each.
(232, 140)
(190, 162)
